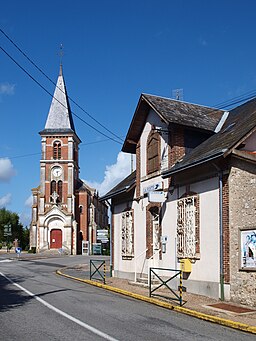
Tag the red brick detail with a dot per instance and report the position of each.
(138, 170)
(49, 147)
(81, 218)
(225, 225)
(176, 142)
(149, 228)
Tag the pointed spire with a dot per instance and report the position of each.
(60, 73)
(59, 116)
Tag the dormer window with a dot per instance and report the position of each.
(57, 150)
(153, 153)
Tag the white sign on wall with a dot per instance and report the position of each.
(156, 196)
(156, 186)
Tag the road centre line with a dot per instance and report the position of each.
(62, 313)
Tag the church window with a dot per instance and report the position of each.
(53, 186)
(153, 153)
(188, 227)
(57, 150)
(127, 235)
(53, 189)
(60, 190)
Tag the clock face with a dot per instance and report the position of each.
(57, 171)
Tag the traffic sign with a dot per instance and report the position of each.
(7, 230)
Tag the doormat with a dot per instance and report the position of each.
(231, 308)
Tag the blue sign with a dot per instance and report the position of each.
(18, 250)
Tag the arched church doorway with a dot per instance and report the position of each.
(55, 239)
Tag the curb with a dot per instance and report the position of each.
(228, 323)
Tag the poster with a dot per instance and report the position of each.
(248, 249)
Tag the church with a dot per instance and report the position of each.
(66, 212)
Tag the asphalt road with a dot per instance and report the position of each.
(36, 304)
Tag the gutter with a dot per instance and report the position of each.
(170, 172)
(111, 195)
(220, 174)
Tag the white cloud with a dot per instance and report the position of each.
(6, 170)
(113, 174)
(29, 201)
(7, 88)
(5, 200)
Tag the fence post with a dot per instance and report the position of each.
(180, 288)
(149, 282)
(104, 272)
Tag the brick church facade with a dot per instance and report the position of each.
(65, 210)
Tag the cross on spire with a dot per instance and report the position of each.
(61, 53)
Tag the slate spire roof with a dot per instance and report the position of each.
(60, 116)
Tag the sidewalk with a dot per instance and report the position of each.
(227, 313)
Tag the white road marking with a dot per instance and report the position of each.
(6, 261)
(62, 313)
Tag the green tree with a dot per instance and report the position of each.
(17, 229)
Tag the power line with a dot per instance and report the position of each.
(42, 87)
(45, 75)
(33, 154)
(236, 100)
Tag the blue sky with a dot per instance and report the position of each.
(113, 51)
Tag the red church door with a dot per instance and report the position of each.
(56, 239)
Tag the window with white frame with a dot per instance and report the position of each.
(127, 234)
(187, 227)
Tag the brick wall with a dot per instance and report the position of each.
(138, 170)
(242, 197)
(149, 228)
(176, 143)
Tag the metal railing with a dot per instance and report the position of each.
(95, 266)
(164, 283)
(151, 259)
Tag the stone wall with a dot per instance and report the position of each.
(242, 198)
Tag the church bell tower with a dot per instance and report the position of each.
(54, 224)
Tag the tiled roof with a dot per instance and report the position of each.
(123, 186)
(240, 122)
(171, 111)
(186, 114)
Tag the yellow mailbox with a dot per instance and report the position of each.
(186, 265)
